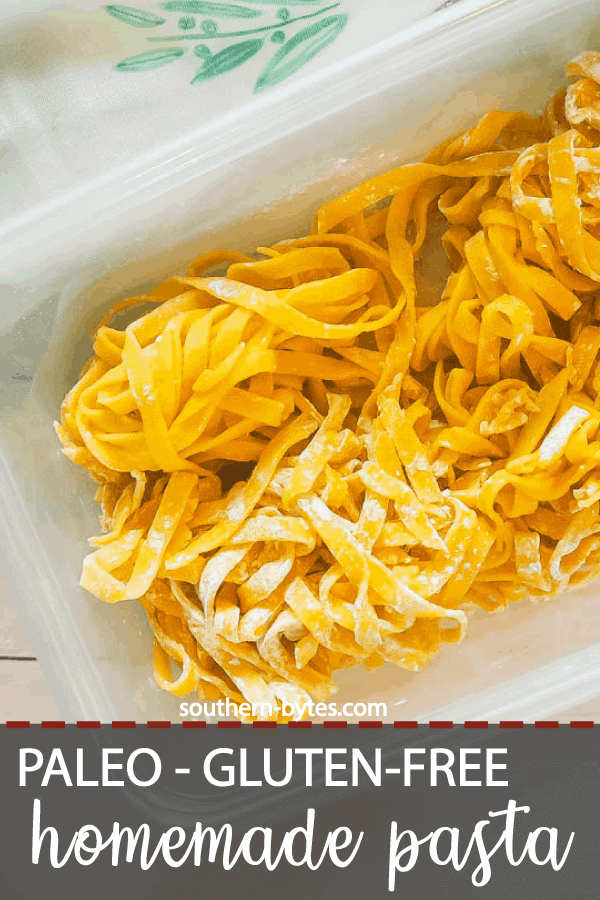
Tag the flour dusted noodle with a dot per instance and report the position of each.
(401, 462)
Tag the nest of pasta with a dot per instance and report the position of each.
(303, 468)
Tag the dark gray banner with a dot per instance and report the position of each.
(307, 813)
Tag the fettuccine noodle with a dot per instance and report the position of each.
(398, 464)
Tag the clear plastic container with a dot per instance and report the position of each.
(250, 179)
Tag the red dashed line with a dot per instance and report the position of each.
(328, 723)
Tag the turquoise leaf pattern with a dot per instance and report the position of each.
(154, 59)
(292, 44)
(202, 51)
(226, 60)
(200, 8)
(289, 2)
(209, 27)
(139, 18)
(299, 50)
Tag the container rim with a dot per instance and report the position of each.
(280, 113)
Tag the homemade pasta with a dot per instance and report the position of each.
(303, 466)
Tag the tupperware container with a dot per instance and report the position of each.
(249, 178)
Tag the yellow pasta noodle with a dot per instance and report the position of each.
(304, 466)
